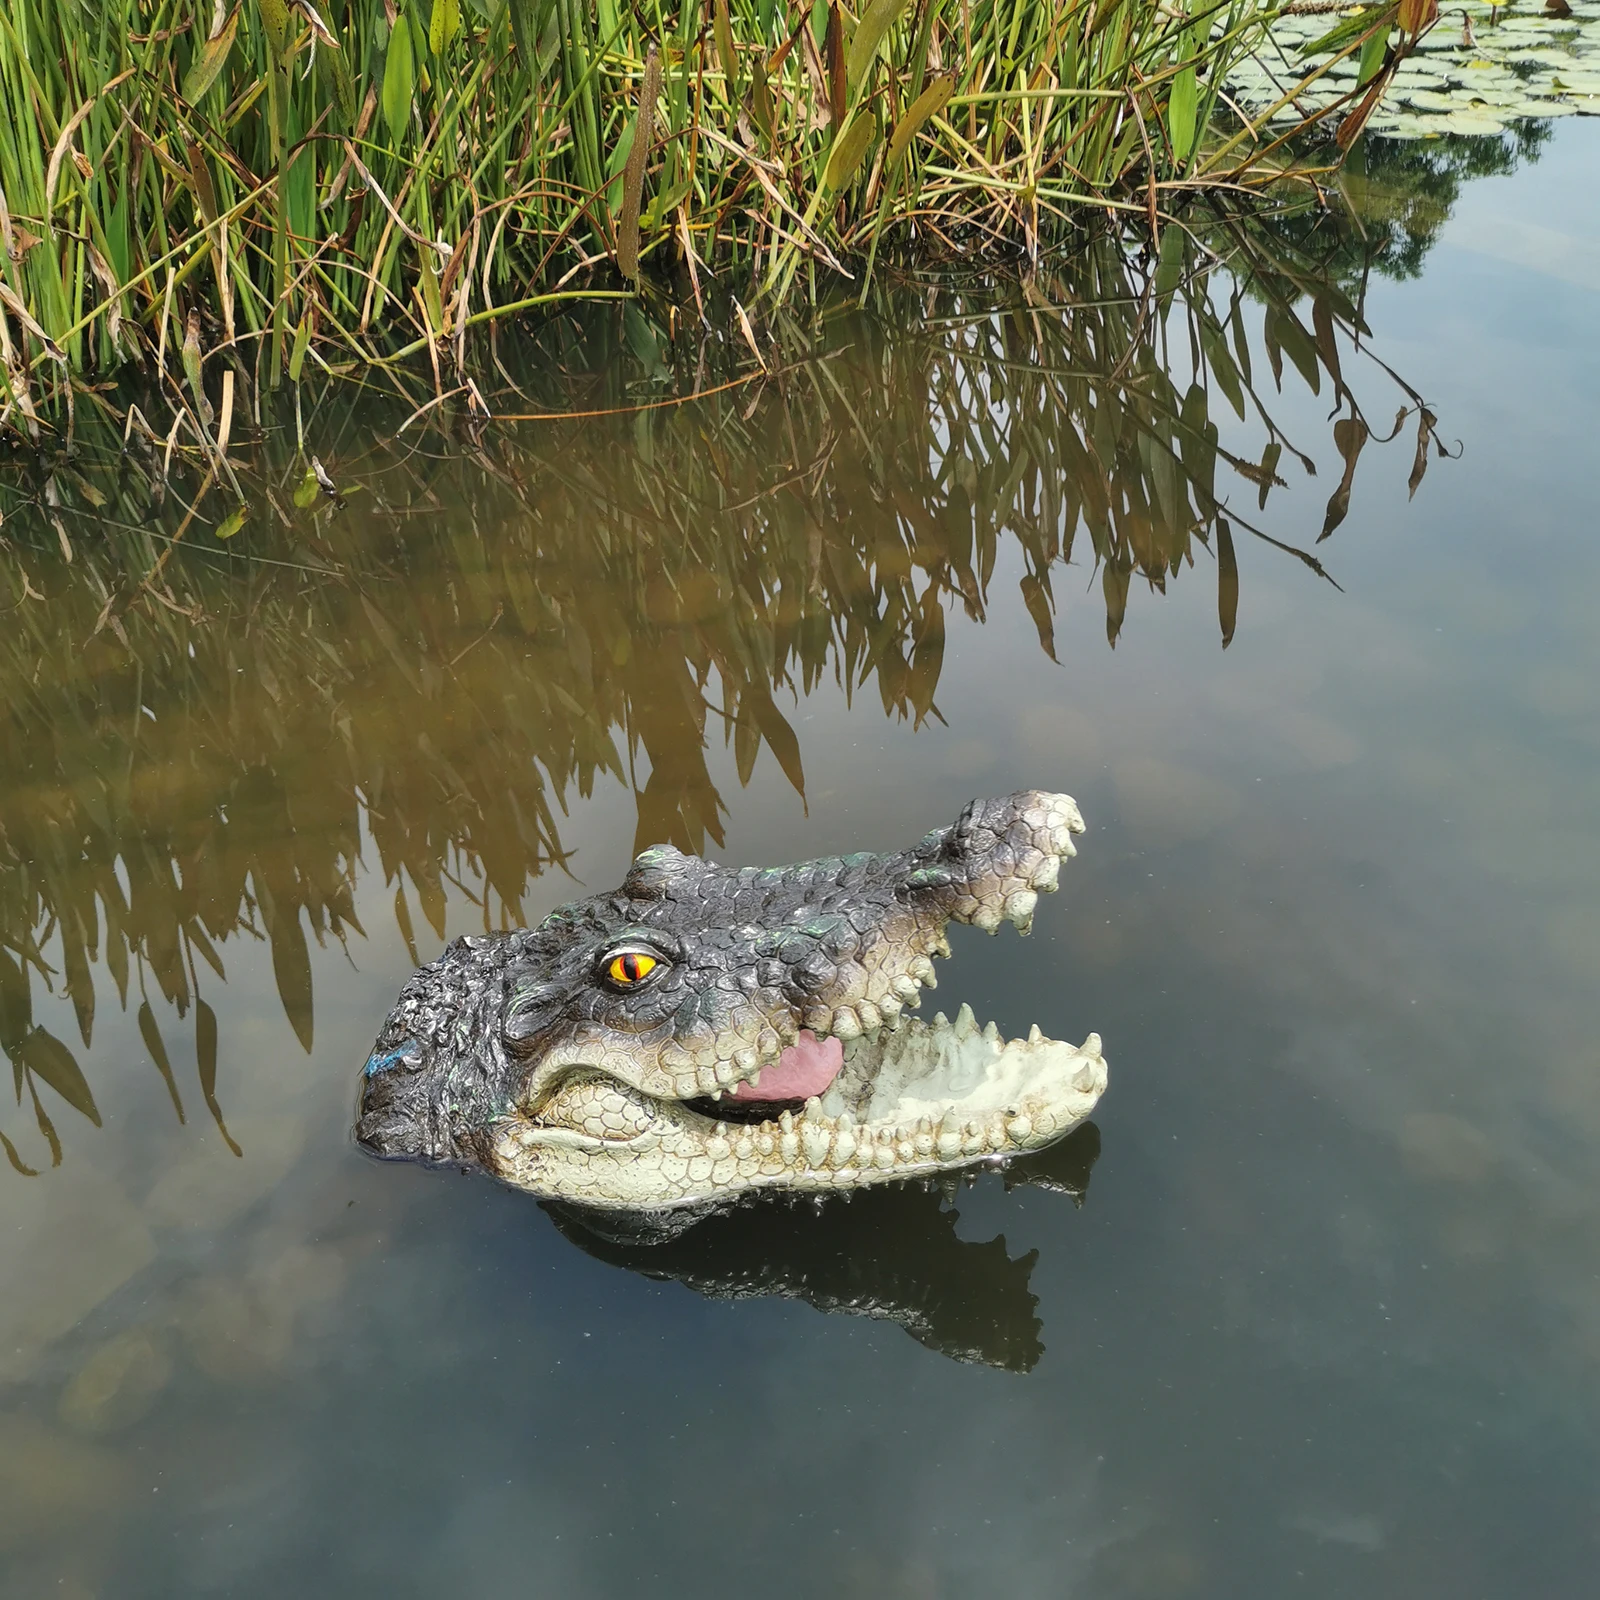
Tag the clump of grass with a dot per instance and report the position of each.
(202, 187)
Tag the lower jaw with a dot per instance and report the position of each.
(922, 1098)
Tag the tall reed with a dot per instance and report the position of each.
(206, 187)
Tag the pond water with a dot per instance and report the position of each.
(1312, 1308)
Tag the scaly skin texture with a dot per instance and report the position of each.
(518, 1054)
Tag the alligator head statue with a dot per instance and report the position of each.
(705, 1032)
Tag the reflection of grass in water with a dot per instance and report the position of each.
(485, 629)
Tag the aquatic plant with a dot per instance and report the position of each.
(226, 194)
(200, 736)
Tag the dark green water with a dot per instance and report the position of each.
(1327, 1319)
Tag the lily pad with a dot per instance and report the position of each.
(1509, 66)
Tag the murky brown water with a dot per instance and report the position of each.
(1314, 1308)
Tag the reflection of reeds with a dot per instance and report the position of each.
(286, 181)
(478, 632)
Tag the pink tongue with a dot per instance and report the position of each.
(806, 1068)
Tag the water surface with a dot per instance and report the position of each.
(1315, 1305)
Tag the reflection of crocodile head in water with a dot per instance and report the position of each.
(892, 1254)
(708, 1031)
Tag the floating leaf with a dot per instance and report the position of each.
(232, 523)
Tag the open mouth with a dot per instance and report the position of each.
(904, 1098)
(913, 1094)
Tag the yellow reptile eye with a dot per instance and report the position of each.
(631, 966)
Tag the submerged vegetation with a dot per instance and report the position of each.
(202, 739)
(225, 195)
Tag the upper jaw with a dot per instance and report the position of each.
(1025, 839)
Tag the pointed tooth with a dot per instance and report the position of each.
(844, 1146)
(789, 1148)
(1090, 1046)
(716, 1094)
(948, 1142)
(940, 1020)
(846, 1024)
(1019, 907)
(1034, 1035)
(765, 1143)
(846, 1118)
(966, 1024)
(744, 1147)
(987, 917)
(813, 1109)
(786, 1120)
(991, 1032)
(1083, 1078)
(815, 1141)
(871, 1017)
(718, 1148)
(908, 989)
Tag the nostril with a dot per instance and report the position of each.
(407, 1057)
